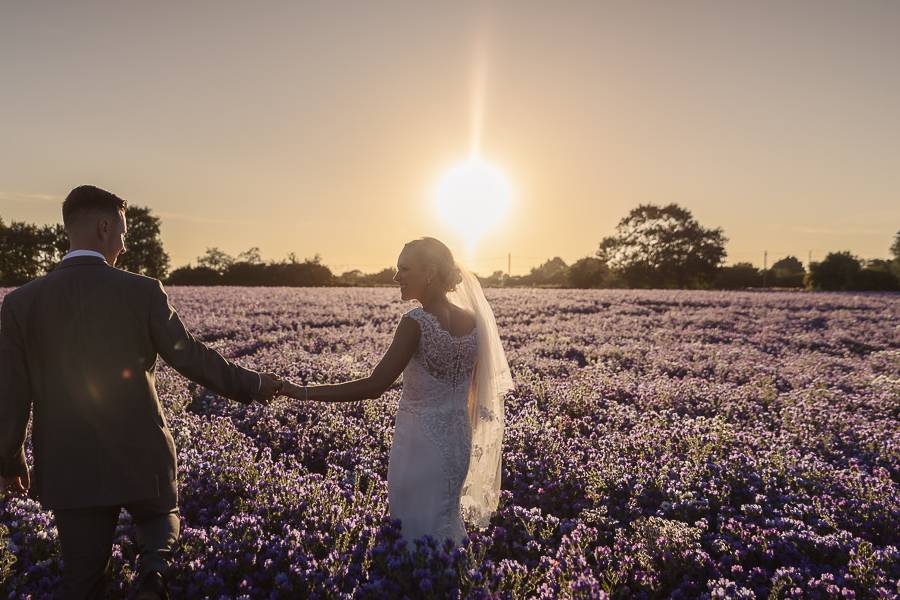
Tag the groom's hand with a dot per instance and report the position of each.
(17, 485)
(270, 386)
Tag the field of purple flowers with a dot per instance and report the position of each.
(659, 444)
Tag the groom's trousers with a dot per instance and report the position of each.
(86, 538)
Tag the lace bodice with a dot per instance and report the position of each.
(441, 368)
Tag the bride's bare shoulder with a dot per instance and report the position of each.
(464, 318)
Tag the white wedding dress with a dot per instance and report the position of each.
(432, 446)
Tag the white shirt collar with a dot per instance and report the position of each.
(77, 253)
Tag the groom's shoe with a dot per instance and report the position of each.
(152, 587)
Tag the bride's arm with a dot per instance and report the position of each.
(406, 339)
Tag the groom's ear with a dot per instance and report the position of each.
(104, 225)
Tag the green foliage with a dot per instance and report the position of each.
(664, 247)
(588, 272)
(495, 279)
(215, 259)
(842, 271)
(310, 272)
(218, 268)
(189, 275)
(787, 272)
(251, 256)
(551, 273)
(877, 275)
(738, 276)
(358, 278)
(28, 251)
(837, 272)
(895, 253)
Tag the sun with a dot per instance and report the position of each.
(472, 197)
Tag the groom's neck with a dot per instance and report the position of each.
(94, 247)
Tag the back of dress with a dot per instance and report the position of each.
(432, 437)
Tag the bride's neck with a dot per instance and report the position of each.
(435, 303)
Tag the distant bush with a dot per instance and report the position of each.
(837, 272)
(217, 268)
(877, 275)
(588, 272)
(738, 276)
(189, 275)
(842, 271)
(787, 272)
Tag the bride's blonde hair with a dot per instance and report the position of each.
(435, 253)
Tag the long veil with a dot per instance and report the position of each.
(490, 382)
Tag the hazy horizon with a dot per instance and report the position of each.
(324, 128)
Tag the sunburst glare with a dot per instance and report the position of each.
(472, 197)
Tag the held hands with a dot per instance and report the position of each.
(270, 386)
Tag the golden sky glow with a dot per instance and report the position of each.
(324, 127)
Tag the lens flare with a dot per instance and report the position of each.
(472, 197)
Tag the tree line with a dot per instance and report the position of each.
(652, 247)
(665, 247)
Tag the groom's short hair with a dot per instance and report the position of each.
(86, 198)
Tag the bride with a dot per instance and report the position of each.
(445, 458)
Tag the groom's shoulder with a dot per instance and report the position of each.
(130, 285)
(128, 279)
(25, 292)
(21, 293)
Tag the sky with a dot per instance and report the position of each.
(323, 128)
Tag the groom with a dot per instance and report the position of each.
(78, 348)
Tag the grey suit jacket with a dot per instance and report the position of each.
(78, 348)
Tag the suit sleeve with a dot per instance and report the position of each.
(192, 358)
(15, 396)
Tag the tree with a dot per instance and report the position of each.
(664, 247)
(839, 271)
(216, 260)
(588, 272)
(354, 277)
(310, 272)
(552, 272)
(246, 273)
(250, 256)
(738, 276)
(382, 277)
(21, 247)
(144, 252)
(895, 252)
(495, 279)
(28, 251)
(54, 243)
(189, 275)
(877, 275)
(787, 272)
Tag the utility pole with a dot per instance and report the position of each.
(809, 260)
(765, 266)
(509, 265)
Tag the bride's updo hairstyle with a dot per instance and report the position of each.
(434, 253)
